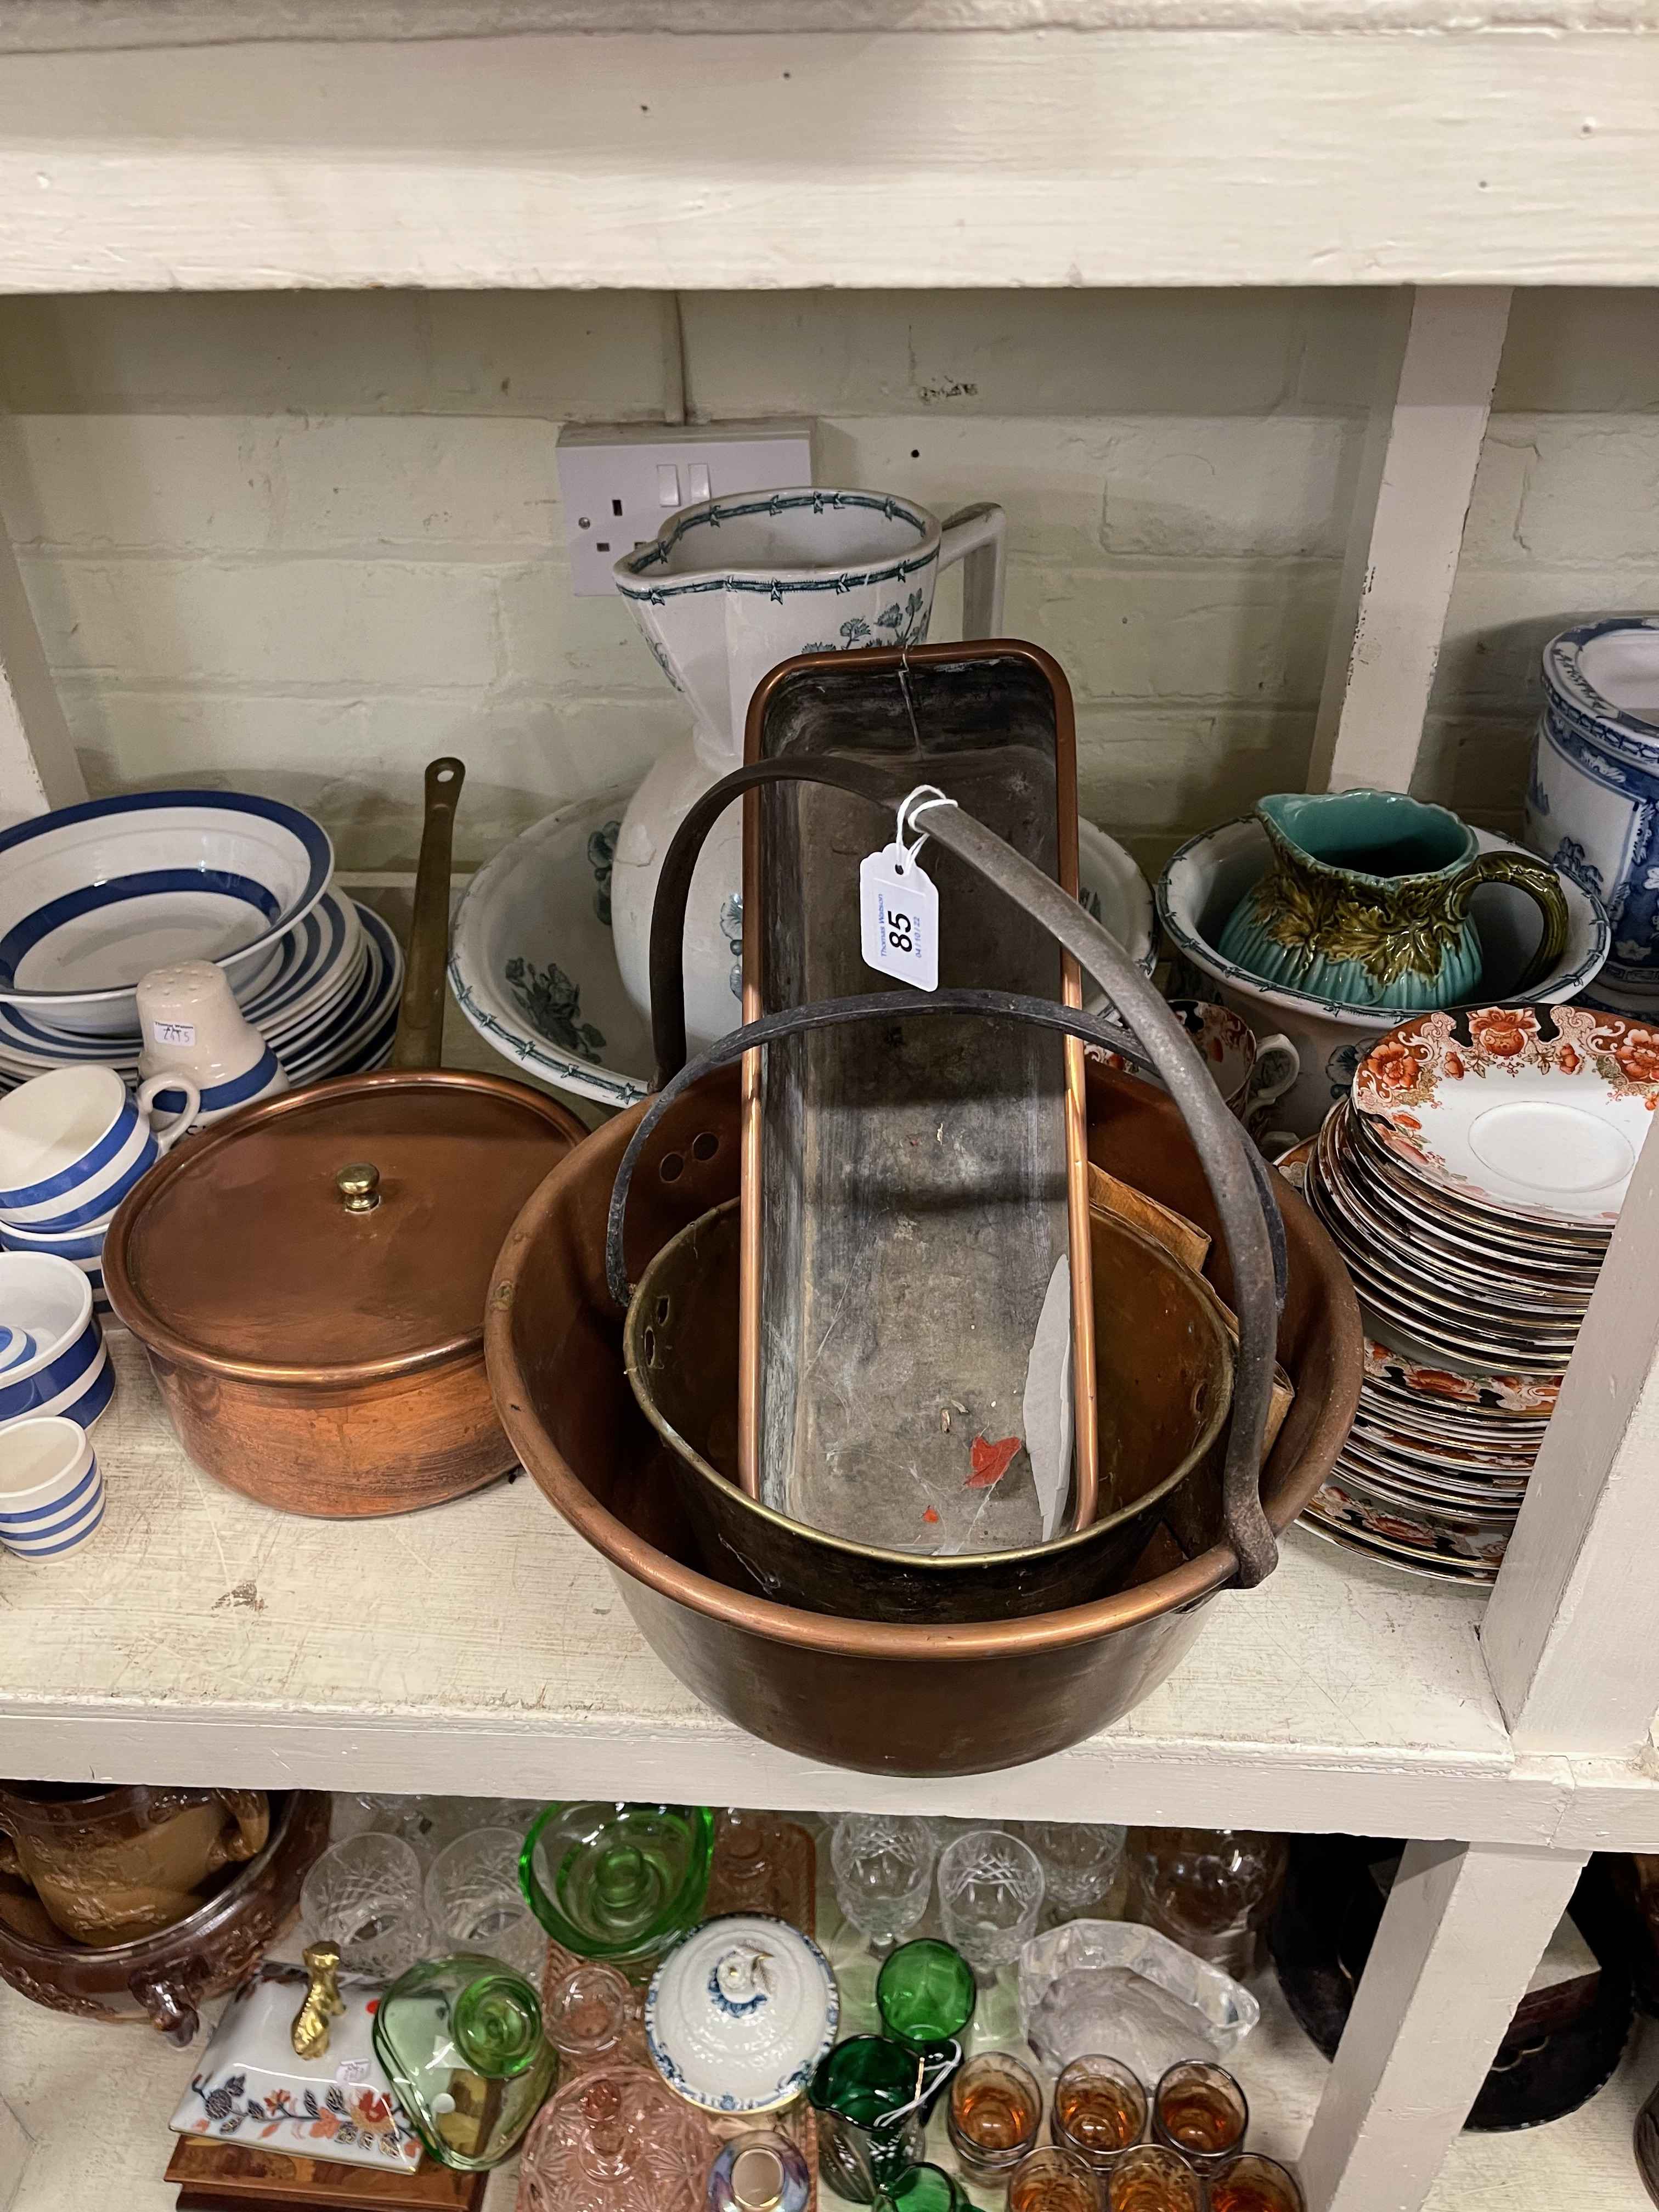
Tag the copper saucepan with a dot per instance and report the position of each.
(308, 1277)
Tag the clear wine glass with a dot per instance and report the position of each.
(364, 1896)
(883, 1867)
(474, 1904)
(1079, 1864)
(990, 1895)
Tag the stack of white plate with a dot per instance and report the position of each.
(1471, 1182)
(94, 896)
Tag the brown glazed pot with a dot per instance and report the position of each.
(164, 1977)
(879, 1696)
(112, 1865)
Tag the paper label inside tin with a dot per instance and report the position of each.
(898, 918)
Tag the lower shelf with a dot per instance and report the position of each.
(96, 2099)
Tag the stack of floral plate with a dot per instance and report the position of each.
(93, 897)
(1471, 1181)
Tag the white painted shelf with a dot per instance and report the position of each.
(98, 2098)
(481, 1647)
(967, 143)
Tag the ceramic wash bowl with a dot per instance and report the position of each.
(533, 962)
(1203, 884)
(93, 897)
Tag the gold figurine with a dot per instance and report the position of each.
(323, 2002)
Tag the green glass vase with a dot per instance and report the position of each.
(461, 2041)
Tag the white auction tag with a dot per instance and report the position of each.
(173, 1032)
(898, 918)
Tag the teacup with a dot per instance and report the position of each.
(112, 1865)
(52, 1494)
(74, 1142)
(1249, 1072)
(196, 1034)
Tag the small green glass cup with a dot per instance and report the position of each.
(924, 2189)
(925, 1993)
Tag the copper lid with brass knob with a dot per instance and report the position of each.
(309, 1275)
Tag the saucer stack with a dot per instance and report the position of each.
(1471, 1181)
(326, 1005)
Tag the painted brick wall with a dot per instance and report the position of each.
(305, 542)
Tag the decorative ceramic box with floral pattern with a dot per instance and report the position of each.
(252, 2088)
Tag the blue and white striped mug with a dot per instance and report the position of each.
(56, 1360)
(52, 1493)
(73, 1143)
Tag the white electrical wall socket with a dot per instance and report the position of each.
(620, 481)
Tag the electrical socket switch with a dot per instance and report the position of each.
(620, 481)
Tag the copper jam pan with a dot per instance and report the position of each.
(877, 1696)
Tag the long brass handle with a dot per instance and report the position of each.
(420, 1041)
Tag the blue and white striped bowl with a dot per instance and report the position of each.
(73, 1144)
(51, 1491)
(82, 1248)
(50, 1299)
(93, 897)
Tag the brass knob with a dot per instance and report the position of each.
(359, 1185)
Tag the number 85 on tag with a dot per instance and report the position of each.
(898, 918)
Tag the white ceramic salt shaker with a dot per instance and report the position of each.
(191, 1024)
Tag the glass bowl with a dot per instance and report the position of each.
(619, 1882)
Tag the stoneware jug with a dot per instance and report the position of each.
(724, 593)
(1366, 900)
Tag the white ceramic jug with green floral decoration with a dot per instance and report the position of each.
(1366, 900)
(725, 590)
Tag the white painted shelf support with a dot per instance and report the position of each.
(1463, 1929)
(1436, 367)
(1571, 1635)
(39, 767)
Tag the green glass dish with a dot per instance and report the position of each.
(926, 1994)
(461, 2041)
(620, 1882)
(924, 2188)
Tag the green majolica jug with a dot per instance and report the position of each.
(1366, 902)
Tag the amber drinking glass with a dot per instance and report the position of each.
(1149, 2179)
(1054, 2180)
(1200, 2111)
(1254, 2183)
(1099, 2109)
(994, 2115)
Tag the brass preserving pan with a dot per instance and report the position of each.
(308, 1276)
(877, 1696)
